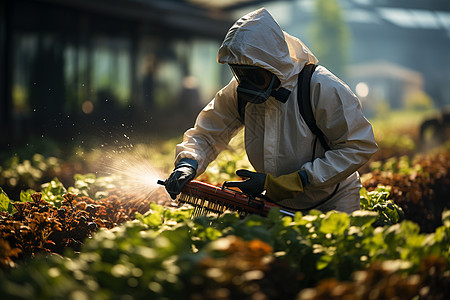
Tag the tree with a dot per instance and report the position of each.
(330, 36)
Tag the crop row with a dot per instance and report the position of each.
(92, 241)
(163, 254)
(420, 186)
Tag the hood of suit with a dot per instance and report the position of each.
(256, 39)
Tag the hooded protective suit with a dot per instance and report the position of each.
(277, 139)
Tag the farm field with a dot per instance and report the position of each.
(74, 229)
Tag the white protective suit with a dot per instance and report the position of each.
(277, 139)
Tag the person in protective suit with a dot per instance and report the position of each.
(266, 62)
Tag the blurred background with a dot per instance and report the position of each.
(76, 72)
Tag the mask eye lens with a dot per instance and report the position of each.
(255, 75)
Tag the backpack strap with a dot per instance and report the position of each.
(241, 108)
(304, 103)
(304, 92)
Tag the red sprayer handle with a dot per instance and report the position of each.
(230, 198)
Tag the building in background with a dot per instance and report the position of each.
(78, 67)
(69, 68)
(382, 83)
(410, 34)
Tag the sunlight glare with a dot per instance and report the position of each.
(362, 89)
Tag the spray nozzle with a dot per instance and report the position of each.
(162, 182)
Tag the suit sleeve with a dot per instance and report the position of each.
(214, 127)
(339, 115)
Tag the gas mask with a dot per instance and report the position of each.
(256, 84)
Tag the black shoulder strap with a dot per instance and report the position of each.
(304, 103)
(304, 92)
(241, 108)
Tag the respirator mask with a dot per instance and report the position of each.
(256, 85)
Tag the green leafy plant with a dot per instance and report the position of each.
(28, 172)
(378, 200)
(52, 192)
(90, 185)
(5, 202)
(163, 254)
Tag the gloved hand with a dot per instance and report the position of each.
(277, 188)
(254, 185)
(285, 186)
(184, 171)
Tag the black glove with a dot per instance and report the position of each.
(184, 171)
(254, 185)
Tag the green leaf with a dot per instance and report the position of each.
(178, 215)
(440, 234)
(156, 208)
(5, 203)
(153, 220)
(364, 203)
(335, 223)
(54, 187)
(212, 233)
(298, 217)
(25, 196)
(446, 218)
(362, 218)
(324, 261)
(177, 241)
(274, 215)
